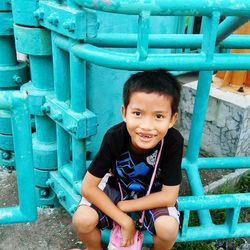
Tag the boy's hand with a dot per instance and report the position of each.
(121, 206)
(128, 232)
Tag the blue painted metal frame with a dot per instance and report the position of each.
(77, 42)
(26, 210)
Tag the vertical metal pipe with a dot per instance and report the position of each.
(45, 129)
(24, 160)
(62, 93)
(8, 53)
(63, 146)
(190, 28)
(42, 78)
(77, 83)
(78, 159)
(199, 114)
(197, 123)
(61, 72)
(209, 27)
(78, 104)
(180, 30)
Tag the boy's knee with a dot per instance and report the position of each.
(85, 220)
(166, 228)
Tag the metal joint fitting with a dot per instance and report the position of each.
(8, 2)
(6, 155)
(58, 117)
(17, 79)
(43, 193)
(72, 129)
(53, 19)
(45, 109)
(50, 183)
(72, 209)
(39, 14)
(69, 25)
(61, 196)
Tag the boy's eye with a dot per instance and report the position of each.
(159, 116)
(136, 113)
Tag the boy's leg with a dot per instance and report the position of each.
(85, 221)
(163, 224)
(166, 228)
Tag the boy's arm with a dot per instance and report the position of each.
(165, 198)
(95, 195)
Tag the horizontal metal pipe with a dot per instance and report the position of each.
(129, 61)
(224, 162)
(236, 42)
(168, 8)
(121, 40)
(192, 62)
(229, 25)
(10, 215)
(213, 232)
(218, 201)
(219, 163)
(198, 233)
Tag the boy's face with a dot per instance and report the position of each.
(148, 117)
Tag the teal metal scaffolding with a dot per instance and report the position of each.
(80, 52)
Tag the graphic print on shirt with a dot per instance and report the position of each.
(133, 175)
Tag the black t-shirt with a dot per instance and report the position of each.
(134, 170)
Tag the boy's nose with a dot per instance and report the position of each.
(146, 124)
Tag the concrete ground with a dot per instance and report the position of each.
(52, 231)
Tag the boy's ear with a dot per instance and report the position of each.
(123, 110)
(173, 120)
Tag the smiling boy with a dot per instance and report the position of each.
(127, 154)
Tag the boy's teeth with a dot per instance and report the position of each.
(146, 136)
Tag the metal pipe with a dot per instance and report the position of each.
(219, 163)
(26, 211)
(218, 201)
(229, 25)
(42, 81)
(129, 61)
(8, 53)
(78, 104)
(199, 113)
(194, 141)
(192, 62)
(63, 146)
(156, 41)
(169, 8)
(61, 71)
(62, 93)
(77, 84)
(223, 162)
(45, 130)
(165, 41)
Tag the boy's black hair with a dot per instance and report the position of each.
(157, 81)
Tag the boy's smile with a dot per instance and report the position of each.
(148, 117)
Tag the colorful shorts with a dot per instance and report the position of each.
(150, 215)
